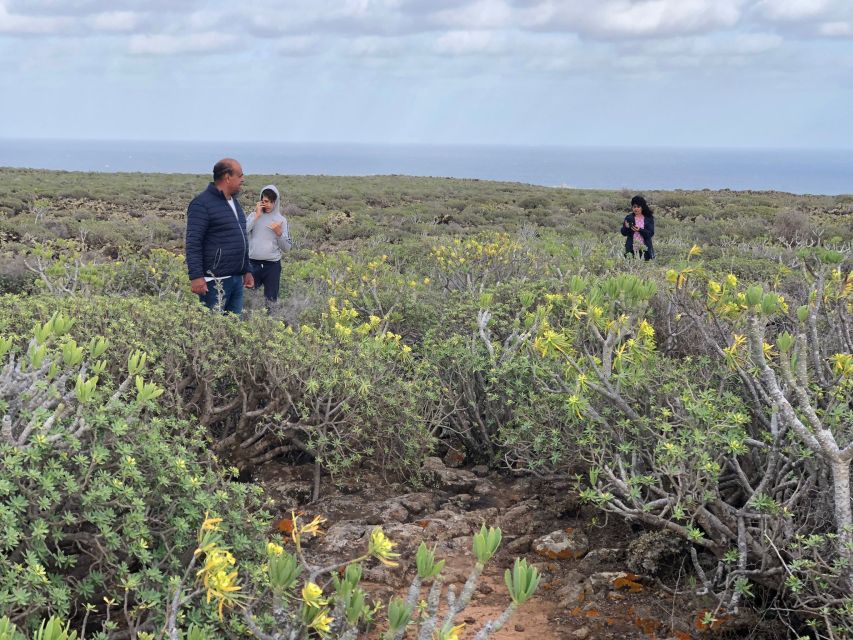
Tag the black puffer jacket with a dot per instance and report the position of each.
(217, 244)
(646, 232)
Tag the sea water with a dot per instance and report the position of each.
(791, 170)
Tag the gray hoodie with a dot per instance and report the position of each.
(264, 244)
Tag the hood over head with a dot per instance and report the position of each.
(277, 206)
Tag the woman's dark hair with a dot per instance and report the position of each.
(641, 201)
(270, 194)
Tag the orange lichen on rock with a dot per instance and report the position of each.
(649, 626)
(551, 585)
(285, 525)
(629, 582)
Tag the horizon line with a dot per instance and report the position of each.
(498, 145)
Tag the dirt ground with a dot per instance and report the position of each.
(592, 594)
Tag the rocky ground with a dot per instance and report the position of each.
(600, 578)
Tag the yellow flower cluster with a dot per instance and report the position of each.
(733, 353)
(300, 529)
(216, 576)
(842, 365)
(498, 248)
(382, 548)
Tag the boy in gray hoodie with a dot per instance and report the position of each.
(268, 237)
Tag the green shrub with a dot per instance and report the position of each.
(102, 491)
(347, 393)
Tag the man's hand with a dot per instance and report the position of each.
(277, 228)
(248, 280)
(198, 286)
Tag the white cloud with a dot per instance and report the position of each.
(460, 43)
(483, 14)
(660, 17)
(792, 10)
(376, 47)
(17, 24)
(115, 21)
(166, 45)
(296, 45)
(836, 29)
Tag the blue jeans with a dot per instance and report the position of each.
(232, 295)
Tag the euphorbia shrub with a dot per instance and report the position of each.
(101, 491)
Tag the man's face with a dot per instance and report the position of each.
(234, 180)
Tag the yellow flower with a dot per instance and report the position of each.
(274, 549)
(312, 595)
(574, 403)
(382, 548)
(210, 524)
(322, 622)
(312, 528)
(695, 250)
(453, 634)
(842, 364)
(220, 587)
(220, 583)
(646, 330)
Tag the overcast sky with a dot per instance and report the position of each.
(729, 73)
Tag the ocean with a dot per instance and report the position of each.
(828, 172)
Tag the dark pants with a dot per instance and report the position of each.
(267, 273)
(231, 294)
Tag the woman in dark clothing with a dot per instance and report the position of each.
(638, 229)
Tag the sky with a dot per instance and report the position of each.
(615, 73)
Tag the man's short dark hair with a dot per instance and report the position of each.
(221, 169)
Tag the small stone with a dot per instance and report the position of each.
(469, 620)
(604, 554)
(520, 545)
(562, 544)
(519, 627)
(581, 633)
(454, 458)
(570, 595)
(484, 588)
(615, 596)
(394, 512)
(481, 470)
(604, 579)
(484, 488)
(418, 502)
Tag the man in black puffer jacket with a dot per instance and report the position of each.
(217, 247)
